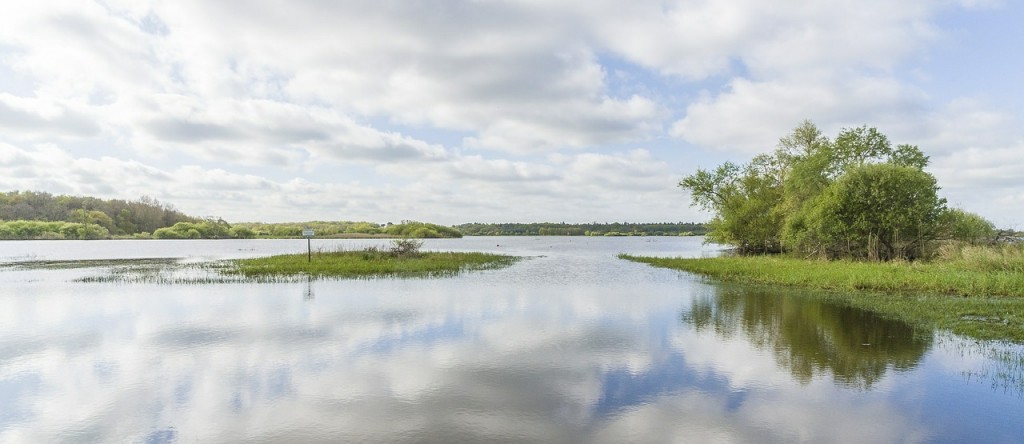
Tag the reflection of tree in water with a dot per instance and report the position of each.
(811, 337)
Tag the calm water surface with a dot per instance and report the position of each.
(569, 345)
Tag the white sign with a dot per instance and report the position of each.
(307, 233)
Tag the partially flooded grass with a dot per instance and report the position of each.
(370, 262)
(176, 273)
(985, 303)
(1003, 362)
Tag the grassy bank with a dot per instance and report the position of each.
(974, 292)
(369, 263)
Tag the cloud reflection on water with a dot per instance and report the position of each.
(645, 355)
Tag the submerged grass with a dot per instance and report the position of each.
(979, 299)
(174, 273)
(368, 263)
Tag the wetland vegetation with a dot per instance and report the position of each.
(402, 259)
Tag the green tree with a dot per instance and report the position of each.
(878, 211)
(853, 196)
(205, 229)
(123, 222)
(745, 200)
(83, 231)
(241, 233)
(95, 217)
(959, 225)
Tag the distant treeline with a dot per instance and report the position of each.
(413, 229)
(39, 215)
(28, 215)
(591, 229)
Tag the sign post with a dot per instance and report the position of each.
(308, 234)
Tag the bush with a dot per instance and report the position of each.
(241, 233)
(963, 226)
(422, 230)
(405, 247)
(82, 231)
(877, 211)
(207, 229)
(32, 229)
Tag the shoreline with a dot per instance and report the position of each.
(984, 305)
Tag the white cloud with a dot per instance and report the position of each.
(37, 119)
(455, 103)
(751, 116)
(562, 188)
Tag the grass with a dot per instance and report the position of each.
(370, 262)
(972, 291)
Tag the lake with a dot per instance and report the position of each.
(570, 344)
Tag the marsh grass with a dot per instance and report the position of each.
(1002, 368)
(173, 273)
(369, 262)
(970, 292)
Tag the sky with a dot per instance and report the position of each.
(455, 111)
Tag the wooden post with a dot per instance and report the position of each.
(308, 234)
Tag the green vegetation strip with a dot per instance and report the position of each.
(979, 303)
(369, 263)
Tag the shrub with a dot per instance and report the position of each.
(963, 226)
(405, 247)
(241, 233)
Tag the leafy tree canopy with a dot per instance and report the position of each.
(852, 196)
(116, 216)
